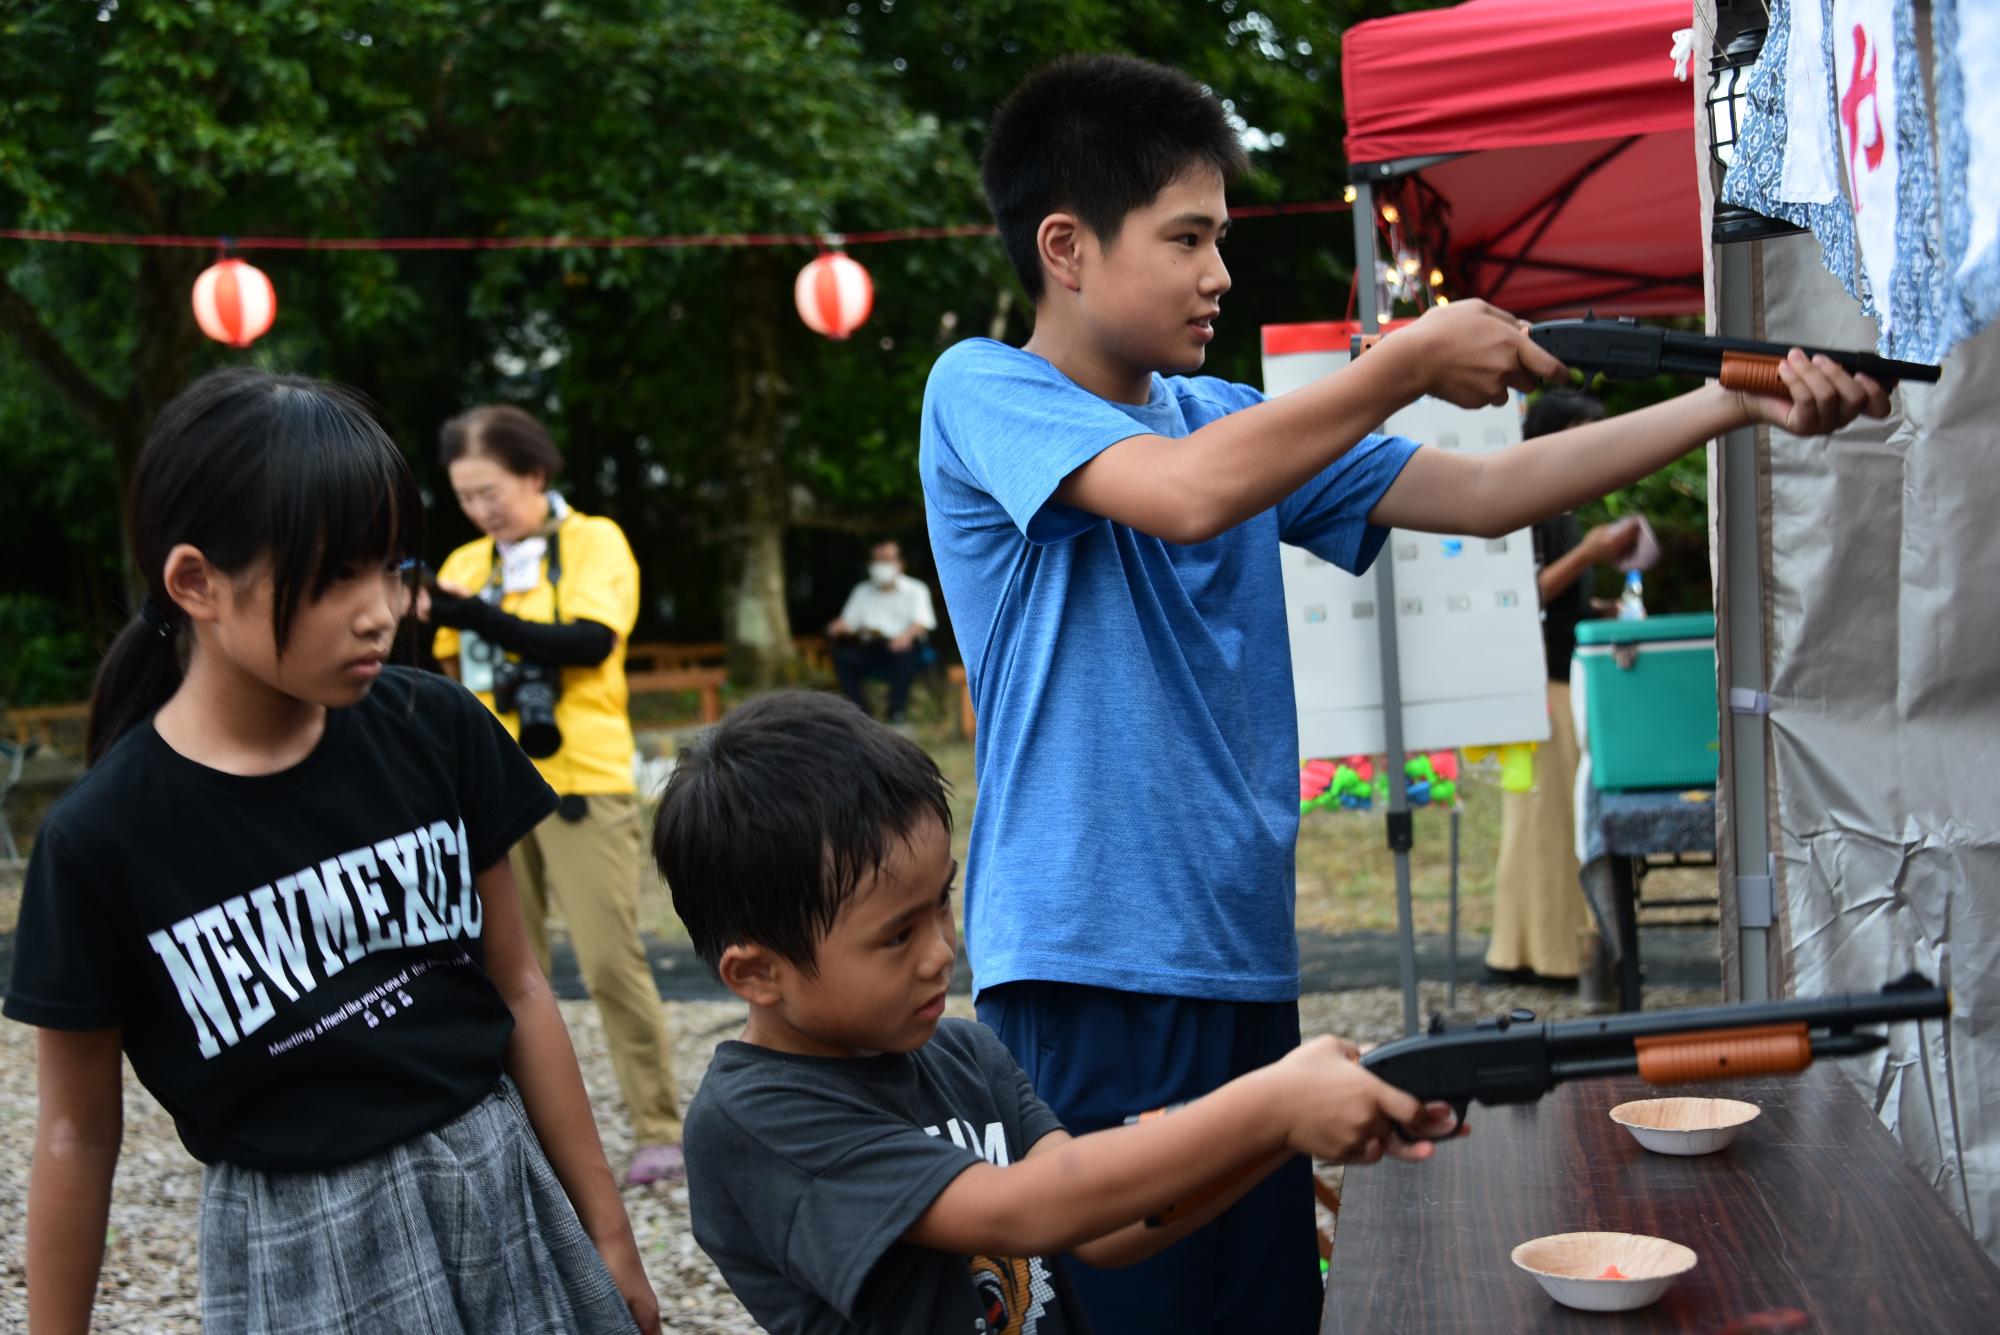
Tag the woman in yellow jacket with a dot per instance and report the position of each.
(543, 604)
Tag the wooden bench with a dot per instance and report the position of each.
(37, 723)
(812, 652)
(667, 655)
(967, 724)
(705, 681)
(657, 654)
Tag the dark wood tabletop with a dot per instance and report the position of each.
(1814, 1207)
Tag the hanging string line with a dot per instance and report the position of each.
(691, 242)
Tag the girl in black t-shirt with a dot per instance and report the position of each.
(281, 889)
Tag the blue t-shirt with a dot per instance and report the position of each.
(1137, 754)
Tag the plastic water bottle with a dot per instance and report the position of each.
(1632, 603)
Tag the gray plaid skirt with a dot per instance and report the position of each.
(463, 1230)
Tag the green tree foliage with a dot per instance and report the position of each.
(749, 460)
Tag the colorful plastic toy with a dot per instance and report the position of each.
(1517, 764)
(1355, 784)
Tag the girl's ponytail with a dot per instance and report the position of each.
(140, 672)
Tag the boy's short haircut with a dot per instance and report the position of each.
(774, 817)
(1097, 136)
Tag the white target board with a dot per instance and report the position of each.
(1468, 622)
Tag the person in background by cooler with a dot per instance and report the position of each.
(1538, 903)
(880, 633)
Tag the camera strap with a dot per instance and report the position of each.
(477, 657)
(551, 566)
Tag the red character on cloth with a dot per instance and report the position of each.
(1860, 92)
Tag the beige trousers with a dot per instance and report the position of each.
(591, 868)
(1538, 902)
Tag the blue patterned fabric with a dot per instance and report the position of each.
(1973, 296)
(1919, 327)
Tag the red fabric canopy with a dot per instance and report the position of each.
(1575, 182)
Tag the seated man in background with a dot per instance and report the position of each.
(880, 633)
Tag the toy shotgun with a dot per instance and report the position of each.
(1624, 349)
(1511, 1059)
(1627, 350)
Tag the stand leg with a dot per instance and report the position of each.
(1451, 957)
(1625, 903)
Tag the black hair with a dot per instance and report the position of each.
(510, 436)
(243, 465)
(773, 818)
(1097, 136)
(1558, 410)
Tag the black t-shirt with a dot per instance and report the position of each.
(803, 1173)
(294, 958)
(1555, 539)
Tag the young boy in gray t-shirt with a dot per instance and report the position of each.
(855, 1161)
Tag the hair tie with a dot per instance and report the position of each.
(157, 617)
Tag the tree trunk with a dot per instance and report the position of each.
(755, 620)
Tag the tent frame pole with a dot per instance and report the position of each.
(1746, 781)
(1400, 827)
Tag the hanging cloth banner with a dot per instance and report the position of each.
(1787, 152)
(1966, 47)
(1876, 218)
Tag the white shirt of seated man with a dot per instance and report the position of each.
(888, 604)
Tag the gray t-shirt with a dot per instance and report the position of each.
(803, 1173)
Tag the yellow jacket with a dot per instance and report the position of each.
(599, 582)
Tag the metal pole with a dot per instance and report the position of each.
(1749, 814)
(1398, 818)
(1451, 966)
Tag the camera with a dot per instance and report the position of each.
(531, 689)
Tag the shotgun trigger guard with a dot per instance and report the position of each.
(1458, 1109)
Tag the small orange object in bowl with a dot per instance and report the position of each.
(1684, 1125)
(1604, 1272)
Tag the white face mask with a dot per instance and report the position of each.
(883, 572)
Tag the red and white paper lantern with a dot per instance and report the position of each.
(834, 295)
(234, 303)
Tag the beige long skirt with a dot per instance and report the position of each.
(1538, 903)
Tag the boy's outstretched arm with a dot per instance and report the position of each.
(1192, 489)
(1490, 494)
(1317, 1100)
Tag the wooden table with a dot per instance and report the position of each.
(1815, 1207)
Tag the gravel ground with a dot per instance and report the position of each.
(150, 1277)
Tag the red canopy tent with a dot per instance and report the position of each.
(1540, 152)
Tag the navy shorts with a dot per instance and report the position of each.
(1096, 1056)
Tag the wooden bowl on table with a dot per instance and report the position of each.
(1604, 1272)
(1684, 1125)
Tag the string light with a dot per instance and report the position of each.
(1349, 195)
(1437, 278)
(1391, 214)
(1410, 265)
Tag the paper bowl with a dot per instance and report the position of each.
(1684, 1126)
(1572, 1268)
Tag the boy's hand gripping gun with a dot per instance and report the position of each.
(1512, 1059)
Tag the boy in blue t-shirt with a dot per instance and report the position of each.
(1106, 526)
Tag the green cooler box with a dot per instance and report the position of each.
(1649, 700)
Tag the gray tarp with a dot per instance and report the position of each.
(1877, 595)
(1882, 635)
